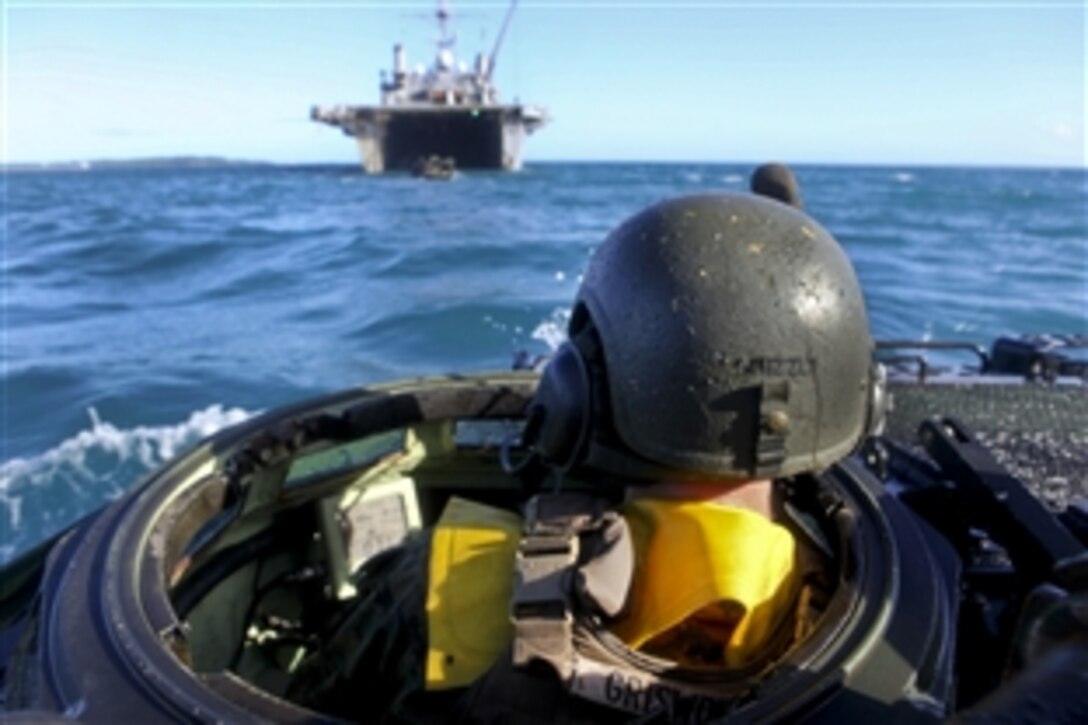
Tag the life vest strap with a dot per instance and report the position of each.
(562, 531)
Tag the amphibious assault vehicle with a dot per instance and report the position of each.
(957, 537)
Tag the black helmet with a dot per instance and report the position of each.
(777, 182)
(722, 334)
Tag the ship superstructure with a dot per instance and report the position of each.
(449, 110)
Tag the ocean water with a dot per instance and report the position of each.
(145, 309)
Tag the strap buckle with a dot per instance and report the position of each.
(540, 609)
(542, 587)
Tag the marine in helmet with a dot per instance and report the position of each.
(719, 353)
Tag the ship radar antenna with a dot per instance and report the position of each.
(446, 39)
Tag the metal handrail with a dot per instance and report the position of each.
(978, 350)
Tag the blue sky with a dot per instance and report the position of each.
(979, 83)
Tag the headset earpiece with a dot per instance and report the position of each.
(561, 410)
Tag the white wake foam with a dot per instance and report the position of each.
(553, 331)
(106, 453)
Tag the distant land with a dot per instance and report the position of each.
(218, 162)
(158, 162)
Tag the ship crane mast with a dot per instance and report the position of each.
(498, 40)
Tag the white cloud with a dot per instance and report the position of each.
(1062, 130)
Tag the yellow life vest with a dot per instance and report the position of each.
(469, 584)
(690, 555)
(694, 554)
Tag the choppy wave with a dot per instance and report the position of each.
(150, 294)
(43, 493)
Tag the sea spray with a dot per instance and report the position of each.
(553, 331)
(92, 467)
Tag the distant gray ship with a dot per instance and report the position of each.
(446, 111)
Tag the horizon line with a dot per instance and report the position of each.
(197, 161)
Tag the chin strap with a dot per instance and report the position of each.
(531, 469)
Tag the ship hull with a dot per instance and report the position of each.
(394, 139)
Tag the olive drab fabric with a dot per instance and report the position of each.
(690, 557)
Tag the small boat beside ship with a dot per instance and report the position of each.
(434, 168)
(448, 110)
